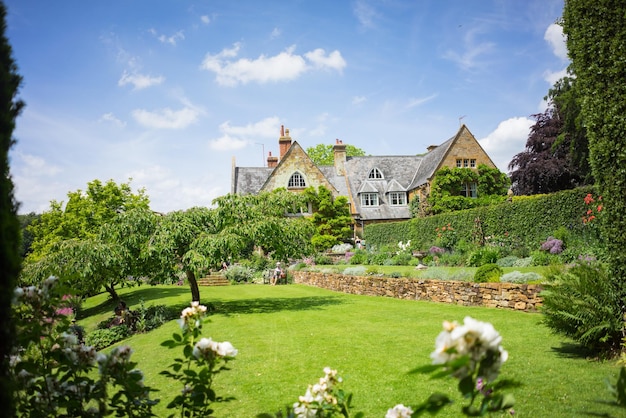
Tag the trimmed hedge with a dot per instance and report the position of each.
(528, 219)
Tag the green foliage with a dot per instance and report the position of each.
(584, 304)
(322, 259)
(482, 256)
(596, 36)
(27, 235)
(525, 222)
(322, 154)
(359, 257)
(446, 191)
(488, 273)
(331, 218)
(519, 277)
(239, 274)
(102, 338)
(355, 271)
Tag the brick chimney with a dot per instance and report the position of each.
(272, 161)
(339, 154)
(284, 142)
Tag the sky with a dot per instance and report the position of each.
(168, 94)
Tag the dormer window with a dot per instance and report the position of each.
(296, 181)
(369, 199)
(375, 174)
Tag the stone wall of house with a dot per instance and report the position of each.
(521, 297)
(466, 147)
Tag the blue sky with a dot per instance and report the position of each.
(168, 92)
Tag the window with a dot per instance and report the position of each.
(296, 180)
(375, 174)
(466, 163)
(369, 199)
(459, 163)
(397, 198)
(469, 190)
(473, 163)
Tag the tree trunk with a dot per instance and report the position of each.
(193, 284)
(112, 292)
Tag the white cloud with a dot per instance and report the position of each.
(205, 19)
(139, 81)
(557, 40)
(507, 140)
(553, 76)
(357, 100)
(473, 49)
(172, 40)
(237, 137)
(166, 118)
(275, 33)
(37, 166)
(111, 118)
(283, 66)
(420, 101)
(364, 13)
(333, 61)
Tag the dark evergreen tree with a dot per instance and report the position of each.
(9, 224)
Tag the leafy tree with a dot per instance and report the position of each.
(323, 154)
(27, 235)
(555, 157)
(116, 255)
(84, 213)
(449, 186)
(331, 218)
(198, 239)
(10, 82)
(596, 38)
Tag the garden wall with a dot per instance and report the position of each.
(521, 297)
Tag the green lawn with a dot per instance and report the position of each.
(286, 335)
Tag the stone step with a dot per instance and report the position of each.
(213, 280)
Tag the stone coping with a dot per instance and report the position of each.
(520, 297)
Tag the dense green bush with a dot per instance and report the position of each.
(102, 338)
(581, 303)
(239, 274)
(488, 273)
(482, 256)
(508, 261)
(322, 259)
(359, 257)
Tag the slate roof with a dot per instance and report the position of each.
(401, 173)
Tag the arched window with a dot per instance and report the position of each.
(375, 174)
(296, 180)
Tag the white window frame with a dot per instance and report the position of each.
(375, 174)
(397, 198)
(469, 190)
(369, 199)
(296, 181)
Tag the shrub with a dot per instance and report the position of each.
(508, 261)
(372, 271)
(322, 259)
(359, 257)
(543, 258)
(488, 273)
(341, 248)
(395, 274)
(102, 338)
(379, 258)
(523, 262)
(239, 274)
(519, 277)
(552, 245)
(583, 304)
(354, 271)
(152, 317)
(402, 259)
(484, 255)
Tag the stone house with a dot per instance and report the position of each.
(378, 188)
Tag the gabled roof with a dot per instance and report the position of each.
(394, 186)
(430, 164)
(249, 180)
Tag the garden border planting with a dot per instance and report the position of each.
(520, 297)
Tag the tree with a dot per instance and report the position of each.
(556, 151)
(116, 255)
(10, 259)
(596, 42)
(199, 239)
(84, 214)
(323, 154)
(331, 218)
(27, 235)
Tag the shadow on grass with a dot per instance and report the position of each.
(134, 298)
(573, 351)
(271, 305)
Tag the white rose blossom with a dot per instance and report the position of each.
(399, 411)
(474, 339)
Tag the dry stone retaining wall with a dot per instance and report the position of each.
(521, 297)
